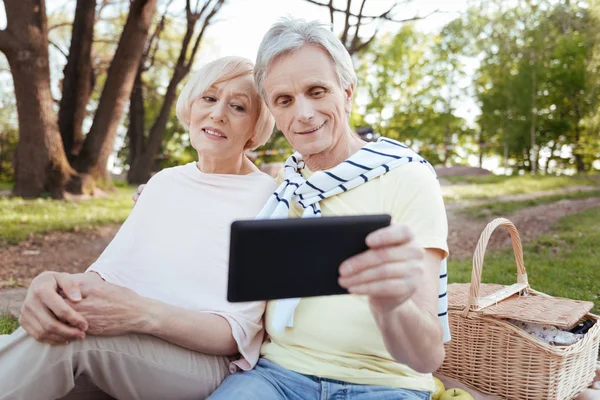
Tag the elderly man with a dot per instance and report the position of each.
(384, 340)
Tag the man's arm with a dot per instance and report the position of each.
(401, 280)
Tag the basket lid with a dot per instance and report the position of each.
(535, 307)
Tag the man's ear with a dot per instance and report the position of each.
(349, 91)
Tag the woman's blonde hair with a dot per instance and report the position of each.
(217, 71)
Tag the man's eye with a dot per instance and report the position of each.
(318, 93)
(283, 101)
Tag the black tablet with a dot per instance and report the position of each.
(285, 258)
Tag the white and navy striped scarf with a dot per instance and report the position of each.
(371, 161)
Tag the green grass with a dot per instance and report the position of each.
(506, 207)
(491, 186)
(6, 185)
(8, 324)
(19, 218)
(564, 263)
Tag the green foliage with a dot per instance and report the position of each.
(8, 324)
(21, 218)
(561, 263)
(9, 137)
(534, 75)
(279, 145)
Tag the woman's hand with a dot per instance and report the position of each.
(48, 314)
(109, 309)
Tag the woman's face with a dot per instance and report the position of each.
(223, 118)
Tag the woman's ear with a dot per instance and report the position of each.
(250, 143)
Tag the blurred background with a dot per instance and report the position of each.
(512, 86)
(502, 96)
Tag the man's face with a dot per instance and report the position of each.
(306, 99)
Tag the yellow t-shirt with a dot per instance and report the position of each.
(336, 337)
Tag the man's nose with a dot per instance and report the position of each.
(304, 110)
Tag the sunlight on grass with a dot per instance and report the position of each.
(8, 324)
(563, 263)
(486, 187)
(491, 209)
(19, 218)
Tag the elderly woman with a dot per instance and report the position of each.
(149, 319)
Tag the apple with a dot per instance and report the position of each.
(439, 389)
(456, 394)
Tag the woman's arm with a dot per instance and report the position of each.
(115, 310)
(203, 332)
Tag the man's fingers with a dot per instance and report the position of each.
(378, 256)
(394, 234)
(397, 270)
(393, 288)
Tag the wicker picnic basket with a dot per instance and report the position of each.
(494, 356)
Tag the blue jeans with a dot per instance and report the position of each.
(269, 381)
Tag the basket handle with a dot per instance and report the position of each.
(478, 303)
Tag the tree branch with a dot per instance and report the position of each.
(386, 15)
(59, 26)
(344, 37)
(415, 18)
(58, 48)
(154, 41)
(207, 22)
(354, 43)
(364, 44)
(106, 41)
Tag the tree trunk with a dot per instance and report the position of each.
(447, 142)
(481, 146)
(578, 157)
(40, 161)
(533, 157)
(98, 144)
(137, 116)
(141, 169)
(506, 144)
(78, 78)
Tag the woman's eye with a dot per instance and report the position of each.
(238, 108)
(210, 99)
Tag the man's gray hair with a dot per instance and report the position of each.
(290, 34)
